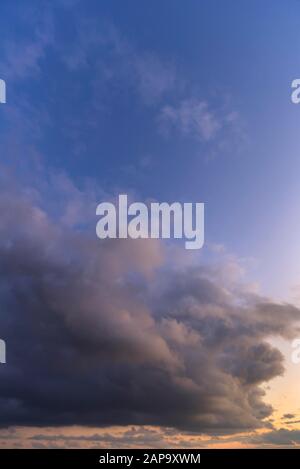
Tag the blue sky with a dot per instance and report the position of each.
(97, 76)
(165, 100)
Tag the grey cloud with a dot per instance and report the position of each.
(104, 333)
(280, 437)
(291, 422)
(288, 416)
(128, 437)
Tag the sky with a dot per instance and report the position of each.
(140, 343)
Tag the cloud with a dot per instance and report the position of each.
(140, 437)
(198, 119)
(155, 77)
(99, 68)
(216, 126)
(288, 416)
(191, 117)
(95, 66)
(119, 332)
(91, 45)
(113, 60)
(280, 437)
(108, 333)
(22, 58)
(109, 437)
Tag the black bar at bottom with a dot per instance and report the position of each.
(141, 458)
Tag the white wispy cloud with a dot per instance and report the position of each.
(194, 117)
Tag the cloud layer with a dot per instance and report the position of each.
(108, 333)
(118, 332)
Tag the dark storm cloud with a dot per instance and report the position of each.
(280, 437)
(103, 333)
(288, 416)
